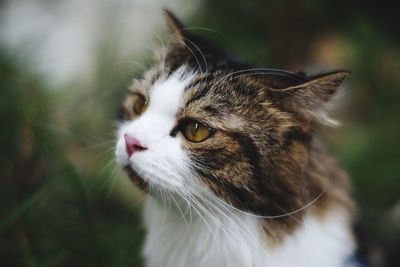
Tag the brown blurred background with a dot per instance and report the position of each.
(64, 66)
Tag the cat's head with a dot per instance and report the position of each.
(200, 121)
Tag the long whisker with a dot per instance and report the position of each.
(203, 29)
(272, 216)
(191, 51)
(201, 53)
(142, 67)
(180, 210)
(235, 223)
(256, 71)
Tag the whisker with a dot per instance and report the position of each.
(274, 216)
(180, 210)
(201, 53)
(191, 51)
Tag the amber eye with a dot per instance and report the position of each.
(197, 132)
(139, 104)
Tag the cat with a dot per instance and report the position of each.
(233, 172)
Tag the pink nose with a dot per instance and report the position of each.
(132, 145)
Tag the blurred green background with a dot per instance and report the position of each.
(64, 66)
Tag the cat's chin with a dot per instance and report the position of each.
(148, 184)
(136, 179)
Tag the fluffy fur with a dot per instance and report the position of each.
(236, 239)
(261, 191)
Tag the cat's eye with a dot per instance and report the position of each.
(140, 104)
(195, 131)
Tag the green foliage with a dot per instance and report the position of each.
(51, 213)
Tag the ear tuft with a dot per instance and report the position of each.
(174, 25)
(319, 89)
(309, 100)
(326, 85)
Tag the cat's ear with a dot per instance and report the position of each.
(175, 26)
(309, 99)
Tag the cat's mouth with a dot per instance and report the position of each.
(136, 179)
(144, 183)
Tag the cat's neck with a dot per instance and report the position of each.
(178, 237)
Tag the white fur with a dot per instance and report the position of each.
(164, 162)
(236, 240)
(184, 230)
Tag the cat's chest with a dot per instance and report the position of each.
(203, 241)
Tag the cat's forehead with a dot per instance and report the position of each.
(167, 91)
(229, 88)
(191, 90)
